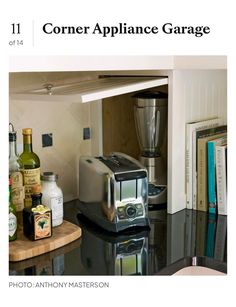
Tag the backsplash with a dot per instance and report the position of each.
(66, 122)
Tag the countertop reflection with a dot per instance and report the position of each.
(174, 241)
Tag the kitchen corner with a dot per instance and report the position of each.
(114, 137)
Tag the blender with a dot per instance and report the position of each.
(150, 112)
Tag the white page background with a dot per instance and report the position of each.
(220, 17)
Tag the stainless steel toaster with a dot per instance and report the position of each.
(113, 191)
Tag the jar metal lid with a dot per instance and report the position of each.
(49, 176)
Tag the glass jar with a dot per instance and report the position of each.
(52, 196)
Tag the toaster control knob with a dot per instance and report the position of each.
(131, 211)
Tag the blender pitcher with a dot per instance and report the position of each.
(150, 112)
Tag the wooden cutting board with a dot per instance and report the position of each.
(23, 248)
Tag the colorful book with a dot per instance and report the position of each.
(211, 173)
(190, 156)
(203, 138)
(221, 179)
(198, 134)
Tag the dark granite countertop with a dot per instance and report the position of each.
(174, 241)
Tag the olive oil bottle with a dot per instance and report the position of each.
(12, 220)
(31, 164)
(37, 220)
(16, 175)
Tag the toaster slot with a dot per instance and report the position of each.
(128, 189)
(130, 175)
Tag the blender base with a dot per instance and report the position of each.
(157, 194)
(157, 181)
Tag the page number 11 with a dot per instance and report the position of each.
(15, 28)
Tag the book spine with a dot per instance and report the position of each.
(188, 170)
(211, 177)
(194, 171)
(202, 204)
(221, 180)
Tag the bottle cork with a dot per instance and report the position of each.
(36, 189)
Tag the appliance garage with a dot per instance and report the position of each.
(109, 137)
(116, 186)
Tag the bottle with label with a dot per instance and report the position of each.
(37, 220)
(15, 174)
(52, 197)
(12, 217)
(31, 163)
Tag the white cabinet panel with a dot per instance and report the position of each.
(86, 91)
(193, 95)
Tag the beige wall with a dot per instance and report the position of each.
(66, 122)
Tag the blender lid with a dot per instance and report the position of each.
(151, 99)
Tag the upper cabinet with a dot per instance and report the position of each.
(109, 63)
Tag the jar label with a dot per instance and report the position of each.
(31, 177)
(12, 224)
(18, 191)
(42, 226)
(56, 204)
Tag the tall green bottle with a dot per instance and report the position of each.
(31, 163)
(16, 175)
(12, 221)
